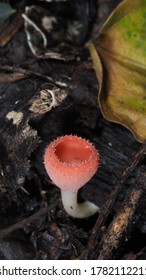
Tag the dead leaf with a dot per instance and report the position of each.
(122, 49)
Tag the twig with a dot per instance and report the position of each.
(30, 72)
(11, 30)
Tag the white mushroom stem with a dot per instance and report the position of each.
(75, 209)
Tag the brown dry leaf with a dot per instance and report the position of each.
(121, 47)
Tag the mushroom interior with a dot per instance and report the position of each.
(73, 152)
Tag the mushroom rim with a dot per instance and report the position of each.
(51, 150)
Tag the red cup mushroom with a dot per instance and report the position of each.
(70, 162)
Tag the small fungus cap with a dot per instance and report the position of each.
(71, 161)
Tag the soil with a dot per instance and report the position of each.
(49, 89)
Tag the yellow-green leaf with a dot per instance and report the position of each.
(122, 49)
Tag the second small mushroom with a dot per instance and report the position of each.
(70, 162)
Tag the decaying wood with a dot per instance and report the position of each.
(18, 139)
(117, 233)
(23, 223)
(98, 229)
